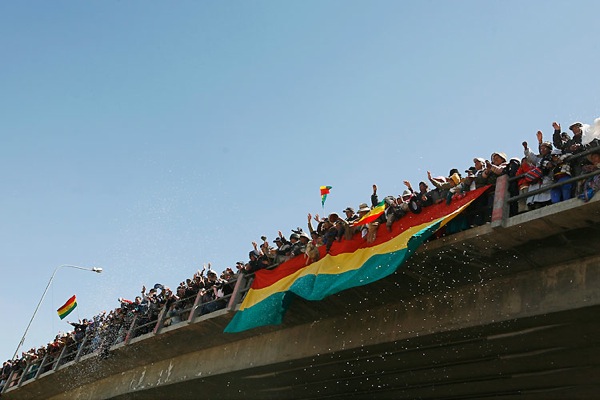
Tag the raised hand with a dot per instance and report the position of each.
(540, 136)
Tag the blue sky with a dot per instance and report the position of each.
(151, 137)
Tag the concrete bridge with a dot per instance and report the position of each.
(505, 310)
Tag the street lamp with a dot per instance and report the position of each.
(94, 269)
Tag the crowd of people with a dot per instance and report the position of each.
(132, 317)
(551, 162)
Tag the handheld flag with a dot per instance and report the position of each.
(372, 215)
(66, 308)
(324, 193)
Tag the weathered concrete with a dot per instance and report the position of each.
(528, 294)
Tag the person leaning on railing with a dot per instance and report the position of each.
(561, 171)
(80, 329)
(5, 372)
(523, 183)
(571, 145)
(592, 184)
(542, 162)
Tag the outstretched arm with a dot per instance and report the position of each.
(374, 198)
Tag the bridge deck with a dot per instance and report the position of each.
(489, 312)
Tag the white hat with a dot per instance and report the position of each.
(363, 207)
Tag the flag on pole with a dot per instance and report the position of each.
(66, 308)
(324, 193)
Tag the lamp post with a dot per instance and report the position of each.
(94, 269)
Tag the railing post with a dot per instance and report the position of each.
(24, 374)
(130, 331)
(81, 346)
(500, 207)
(236, 294)
(8, 381)
(41, 367)
(160, 320)
(57, 362)
(196, 306)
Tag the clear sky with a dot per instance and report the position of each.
(151, 137)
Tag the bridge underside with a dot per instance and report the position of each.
(553, 356)
(502, 313)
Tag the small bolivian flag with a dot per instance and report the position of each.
(372, 215)
(66, 308)
(324, 193)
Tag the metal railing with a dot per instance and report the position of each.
(503, 199)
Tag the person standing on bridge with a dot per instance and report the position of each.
(591, 185)
(570, 145)
(542, 161)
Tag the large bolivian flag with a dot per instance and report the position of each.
(350, 263)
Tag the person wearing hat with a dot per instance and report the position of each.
(494, 168)
(543, 162)
(423, 198)
(523, 183)
(280, 253)
(257, 260)
(295, 243)
(308, 248)
(444, 185)
(474, 176)
(330, 229)
(564, 141)
(239, 265)
(323, 226)
(560, 139)
(406, 195)
(396, 208)
(341, 227)
(572, 145)
(561, 171)
(478, 179)
(265, 248)
(350, 214)
(594, 159)
(213, 291)
(466, 184)
(363, 209)
(591, 184)
(299, 246)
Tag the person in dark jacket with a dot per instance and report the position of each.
(571, 145)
